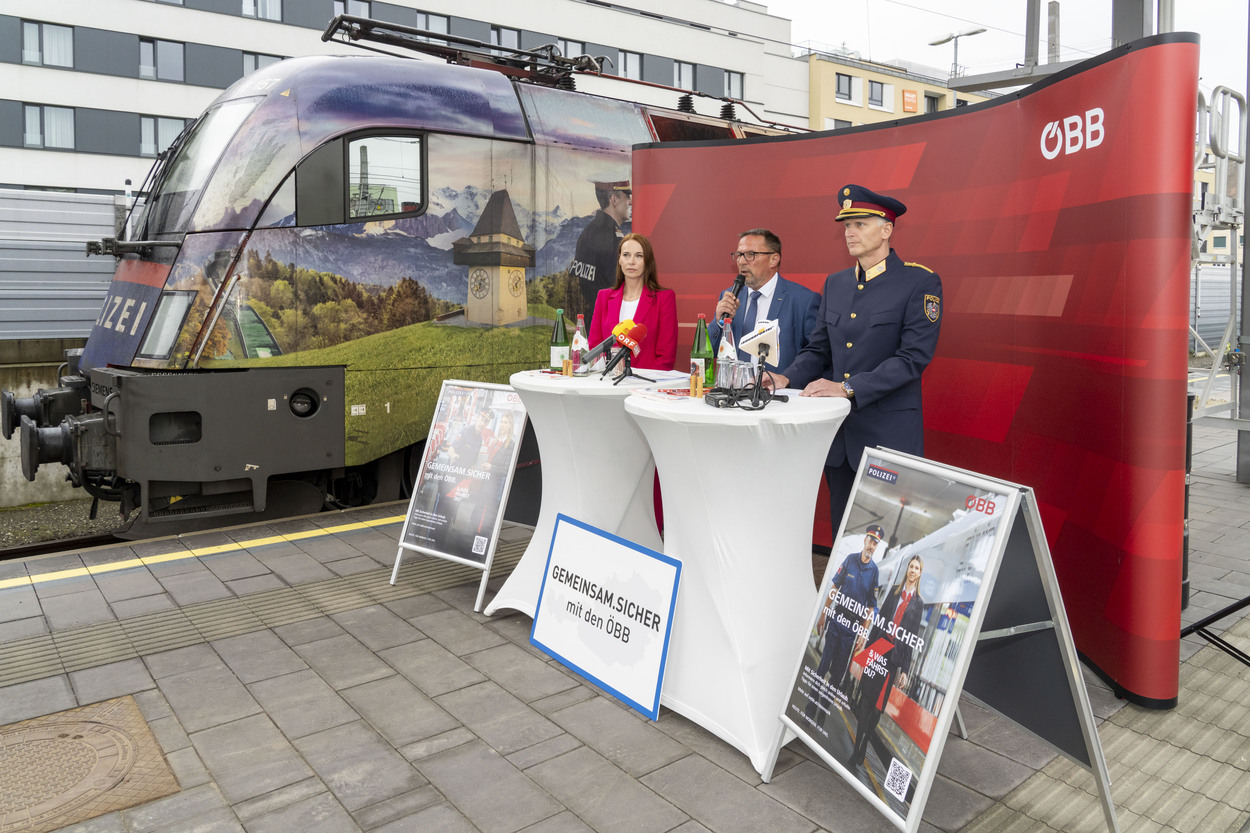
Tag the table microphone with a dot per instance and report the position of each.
(632, 341)
(602, 347)
(739, 282)
(763, 341)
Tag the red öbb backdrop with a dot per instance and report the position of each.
(1059, 221)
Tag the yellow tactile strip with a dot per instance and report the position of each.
(75, 649)
(63, 768)
(218, 549)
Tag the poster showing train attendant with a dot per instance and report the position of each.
(888, 643)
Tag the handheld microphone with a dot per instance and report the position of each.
(589, 357)
(739, 282)
(631, 341)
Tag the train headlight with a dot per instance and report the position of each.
(304, 403)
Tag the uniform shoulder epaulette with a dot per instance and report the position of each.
(919, 266)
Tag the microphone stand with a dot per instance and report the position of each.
(758, 390)
(759, 396)
(629, 370)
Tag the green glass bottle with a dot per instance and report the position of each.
(702, 350)
(559, 342)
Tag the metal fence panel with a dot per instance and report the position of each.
(49, 288)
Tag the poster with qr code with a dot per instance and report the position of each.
(461, 489)
(893, 629)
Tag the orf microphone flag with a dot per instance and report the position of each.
(631, 341)
(602, 347)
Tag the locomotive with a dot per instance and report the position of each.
(331, 239)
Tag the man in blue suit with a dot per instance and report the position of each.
(767, 297)
(877, 332)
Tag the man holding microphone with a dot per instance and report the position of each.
(767, 297)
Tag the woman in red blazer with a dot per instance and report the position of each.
(639, 296)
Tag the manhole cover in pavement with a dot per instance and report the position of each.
(63, 768)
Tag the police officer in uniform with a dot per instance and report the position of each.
(876, 332)
(855, 581)
(594, 260)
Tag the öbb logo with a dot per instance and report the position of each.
(979, 504)
(1073, 133)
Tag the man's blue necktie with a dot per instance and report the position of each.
(748, 320)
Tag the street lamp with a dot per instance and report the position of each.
(955, 36)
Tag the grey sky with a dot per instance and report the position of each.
(883, 30)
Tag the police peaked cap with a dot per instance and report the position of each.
(858, 201)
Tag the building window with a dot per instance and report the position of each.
(49, 127)
(253, 61)
(156, 134)
(571, 48)
(683, 75)
(48, 45)
(263, 9)
(733, 85)
(631, 65)
(160, 59)
(876, 93)
(1220, 241)
(843, 89)
(504, 38)
(932, 103)
(840, 124)
(440, 23)
(356, 8)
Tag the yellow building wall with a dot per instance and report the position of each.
(904, 96)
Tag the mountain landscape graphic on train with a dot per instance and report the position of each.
(420, 248)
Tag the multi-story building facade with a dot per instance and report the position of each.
(846, 91)
(92, 91)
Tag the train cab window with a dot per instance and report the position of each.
(171, 312)
(180, 184)
(383, 176)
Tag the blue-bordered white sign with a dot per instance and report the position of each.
(605, 610)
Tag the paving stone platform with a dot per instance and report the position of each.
(291, 688)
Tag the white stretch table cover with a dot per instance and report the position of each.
(740, 492)
(597, 468)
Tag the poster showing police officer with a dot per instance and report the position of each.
(461, 489)
(889, 633)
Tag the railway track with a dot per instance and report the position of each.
(61, 545)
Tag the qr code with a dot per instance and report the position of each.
(898, 779)
(479, 545)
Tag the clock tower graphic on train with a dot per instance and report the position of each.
(496, 256)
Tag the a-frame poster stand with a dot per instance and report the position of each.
(460, 493)
(957, 593)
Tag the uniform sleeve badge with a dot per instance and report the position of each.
(932, 307)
